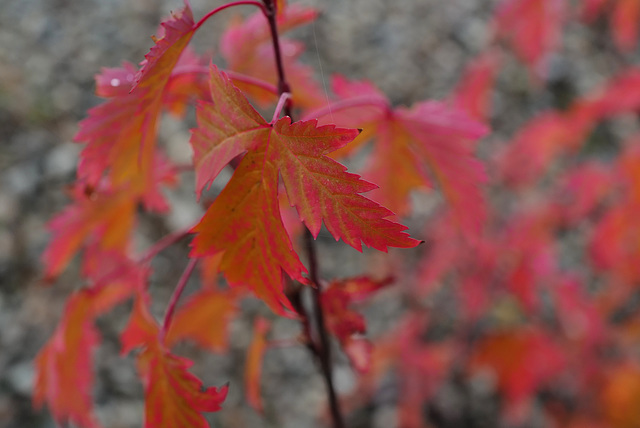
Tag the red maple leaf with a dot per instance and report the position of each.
(244, 221)
(121, 133)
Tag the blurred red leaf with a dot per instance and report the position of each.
(475, 89)
(121, 133)
(533, 28)
(414, 148)
(174, 398)
(522, 360)
(344, 322)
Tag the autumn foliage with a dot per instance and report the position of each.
(526, 279)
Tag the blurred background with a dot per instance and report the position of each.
(412, 50)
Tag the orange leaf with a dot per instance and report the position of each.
(624, 23)
(253, 369)
(203, 319)
(187, 83)
(522, 361)
(620, 396)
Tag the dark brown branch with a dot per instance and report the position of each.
(323, 349)
(320, 344)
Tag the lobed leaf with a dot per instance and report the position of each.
(245, 222)
(121, 133)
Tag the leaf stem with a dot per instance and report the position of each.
(175, 297)
(347, 104)
(284, 97)
(225, 6)
(321, 346)
(250, 80)
(163, 243)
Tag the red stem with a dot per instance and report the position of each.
(347, 104)
(250, 80)
(225, 6)
(182, 283)
(284, 97)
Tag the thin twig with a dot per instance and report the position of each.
(175, 297)
(225, 6)
(284, 97)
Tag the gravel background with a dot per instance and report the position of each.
(49, 53)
